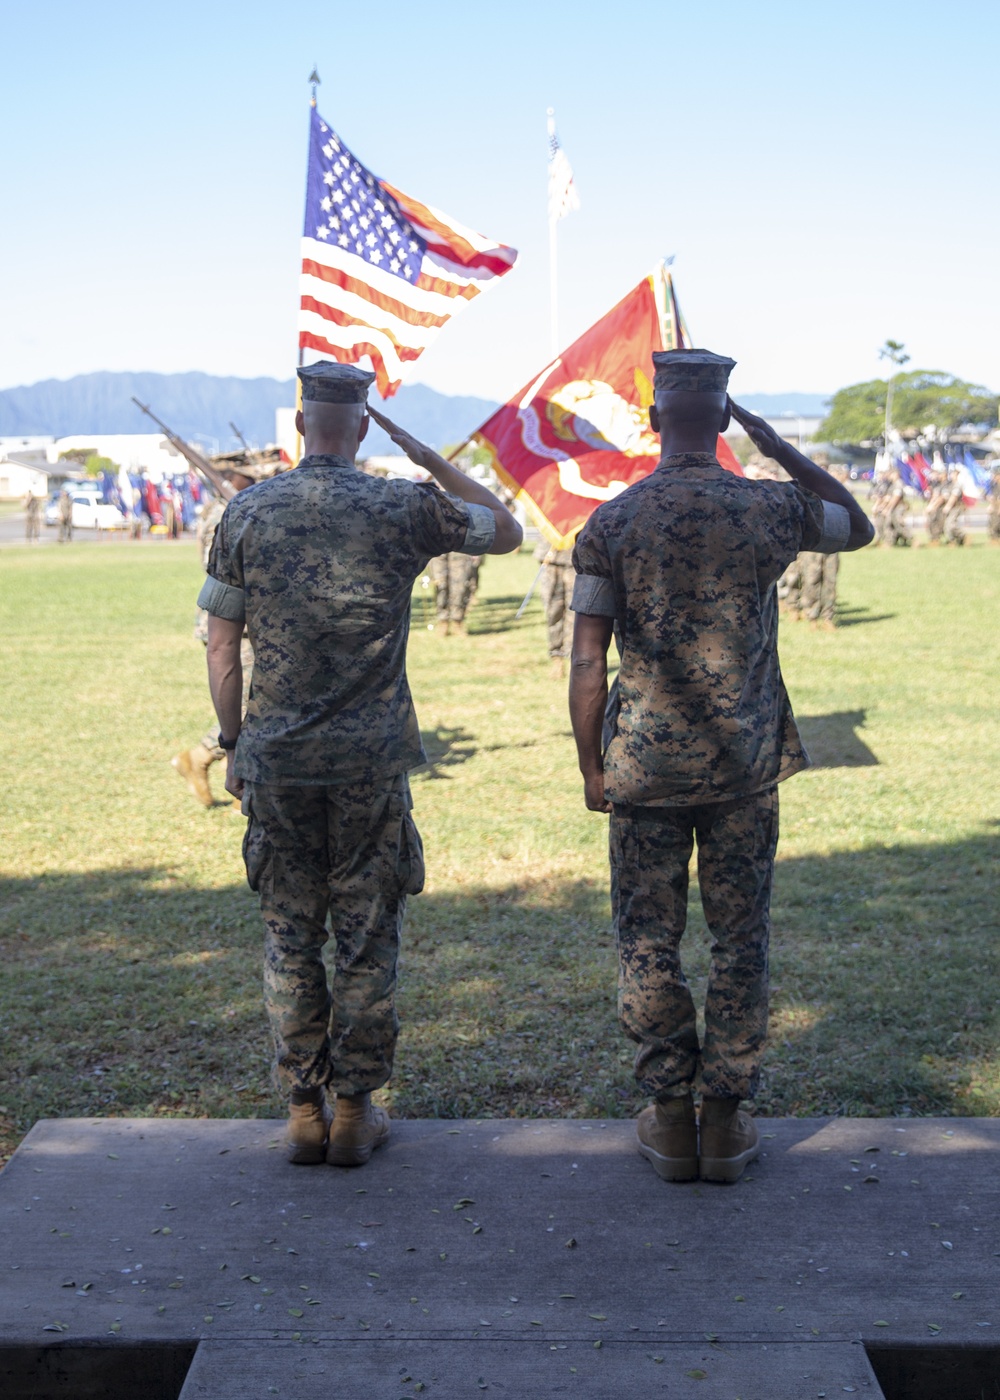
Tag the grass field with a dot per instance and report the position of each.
(130, 943)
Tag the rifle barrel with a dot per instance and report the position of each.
(204, 468)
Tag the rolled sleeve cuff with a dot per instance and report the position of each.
(594, 596)
(836, 529)
(222, 600)
(481, 532)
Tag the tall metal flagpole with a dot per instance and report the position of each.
(553, 272)
(314, 79)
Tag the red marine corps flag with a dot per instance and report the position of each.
(578, 433)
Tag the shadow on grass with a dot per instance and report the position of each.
(831, 740)
(858, 616)
(128, 992)
(444, 748)
(499, 615)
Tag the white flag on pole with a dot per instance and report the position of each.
(563, 198)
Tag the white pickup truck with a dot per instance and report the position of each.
(90, 513)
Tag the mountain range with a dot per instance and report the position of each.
(203, 406)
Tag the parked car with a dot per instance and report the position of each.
(91, 513)
(76, 488)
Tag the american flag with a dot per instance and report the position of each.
(381, 273)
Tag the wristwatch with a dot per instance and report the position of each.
(227, 744)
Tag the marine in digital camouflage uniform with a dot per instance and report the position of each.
(319, 565)
(456, 577)
(954, 510)
(937, 496)
(895, 526)
(682, 568)
(818, 573)
(556, 587)
(818, 595)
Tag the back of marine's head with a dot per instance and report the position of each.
(333, 403)
(690, 388)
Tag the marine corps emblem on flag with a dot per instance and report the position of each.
(578, 434)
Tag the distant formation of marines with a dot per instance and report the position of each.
(945, 508)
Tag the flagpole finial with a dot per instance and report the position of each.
(315, 79)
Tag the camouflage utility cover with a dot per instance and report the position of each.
(320, 562)
(686, 561)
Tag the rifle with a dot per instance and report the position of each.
(204, 468)
(243, 442)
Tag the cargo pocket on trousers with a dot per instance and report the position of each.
(256, 850)
(410, 869)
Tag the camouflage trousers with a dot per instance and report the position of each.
(934, 522)
(993, 513)
(818, 595)
(650, 851)
(455, 579)
(789, 586)
(211, 736)
(952, 530)
(350, 854)
(557, 595)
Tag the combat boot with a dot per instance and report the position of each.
(668, 1138)
(308, 1130)
(729, 1140)
(359, 1126)
(193, 765)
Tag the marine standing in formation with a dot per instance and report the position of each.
(954, 509)
(318, 564)
(456, 578)
(682, 569)
(889, 510)
(32, 517)
(934, 510)
(557, 579)
(65, 517)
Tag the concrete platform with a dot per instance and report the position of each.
(520, 1258)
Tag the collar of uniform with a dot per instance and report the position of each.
(326, 459)
(690, 459)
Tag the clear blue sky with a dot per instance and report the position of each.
(824, 173)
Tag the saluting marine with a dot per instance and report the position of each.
(318, 565)
(682, 568)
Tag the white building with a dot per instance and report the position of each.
(136, 452)
(21, 472)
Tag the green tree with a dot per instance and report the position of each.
(94, 465)
(920, 398)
